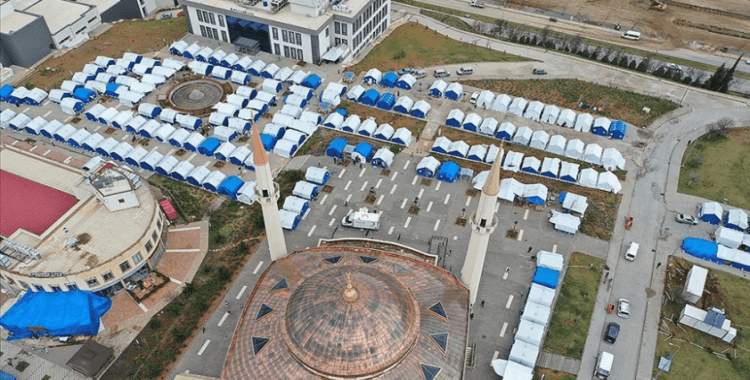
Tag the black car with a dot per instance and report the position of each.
(540, 72)
(613, 329)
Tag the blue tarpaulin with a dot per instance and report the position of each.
(6, 376)
(269, 141)
(370, 97)
(448, 171)
(209, 146)
(75, 312)
(546, 277)
(702, 249)
(312, 81)
(617, 129)
(386, 101)
(5, 92)
(336, 148)
(83, 94)
(230, 186)
(362, 152)
(389, 79)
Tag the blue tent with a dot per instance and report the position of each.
(85, 95)
(702, 249)
(336, 147)
(364, 150)
(341, 111)
(370, 97)
(312, 81)
(617, 129)
(269, 141)
(386, 101)
(6, 376)
(546, 277)
(209, 146)
(389, 79)
(711, 212)
(75, 312)
(599, 129)
(112, 90)
(230, 186)
(5, 92)
(448, 171)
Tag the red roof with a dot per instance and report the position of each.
(29, 205)
(168, 209)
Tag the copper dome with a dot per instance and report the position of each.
(360, 330)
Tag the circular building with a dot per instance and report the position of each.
(352, 313)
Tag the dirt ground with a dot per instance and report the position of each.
(661, 25)
(128, 36)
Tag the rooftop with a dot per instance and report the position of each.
(57, 13)
(15, 21)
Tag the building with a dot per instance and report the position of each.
(299, 29)
(66, 228)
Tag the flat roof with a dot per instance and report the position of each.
(29, 205)
(15, 21)
(58, 14)
(101, 5)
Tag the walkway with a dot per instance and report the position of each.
(559, 363)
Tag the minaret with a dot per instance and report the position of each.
(483, 224)
(267, 192)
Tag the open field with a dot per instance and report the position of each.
(140, 36)
(725, 172)
(575, 305)
(409, 45)
(713, 360)
(616, 104)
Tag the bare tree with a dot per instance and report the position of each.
(720, 127)
(695, 178)
(699, 158)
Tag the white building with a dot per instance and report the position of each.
(299, 29)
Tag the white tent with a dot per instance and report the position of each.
(608, 182)
(550, 260)
(588, 177)
(355, 92)
(334, 120)
(289, 219)
(458, 148)
(224, 133)
(296, 205)
(729, 237)
(285, 148)
(513, 161)
(122, 150)
(303, 126)
(408, 81)
(239, 155)
(510, 189)
(564, 223)
(63, 133)
(576, 203)
(135, 124)
(569, 171)
(172, 64)
(151, 160)
(50, 128)
(574, 149)
(79, 137)
(530, 332)
(37, 95)
(293, 111)
(501, 103)
(141, 88)
(126, 80)
(225, 150)
(583, 123)
(246, 92)
(297, 77)
(402, 136)
(480, 179)
(485, 99)
(108, 115)
(239, 125)
(524, 353)
(535, 192)
(351, 123)
(35, 126)
(294, 136)
(93, 141)
(438, 88)
(179, 137)
(239, 77)
(192, 50)
(735, 218)
(237, 101)
(227, 109)
(168, 115)
(534, 110)
(512, 370)
(243, 64)
(602, 122)
(506, 130)
(539, 139)
(550, 114)
(213, 180)
(330, 97)
(313, 118)
(6, 116)
(404, 103)
(556, 145)
(488, 126)
(182, 170)
(593, 154)
(367, 128)
(178, 46)
(566, 118)
(518, 106)
(373, 76)
(531, 164)
(154, 79)
(421, 109)
(318, 176)
(472, 120)
(283, 74)
(522, 136)
(282, 119)
(57, 95)
(163, 71)
(477, 152)
(218, 118)
(271, 86)
(492, 153)
(96, 86)
(149, 128)
(199, 174)
(116, 70)
(384, 131)
(246, 194)
(457, 115)
(429, 163)
(136, 155)
(305, 190)
(168, 164)
(612, 159)
(385, 156)
(455, 88)
(535, 312)
(107, 146)
(541, 295)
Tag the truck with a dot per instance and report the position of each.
(603, 365)
(362, 219)
(476, 3)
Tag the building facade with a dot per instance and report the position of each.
(299, 29)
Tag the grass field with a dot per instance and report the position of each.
(690, 362)
(189, 201)
(550, 374)
(409, 45)
(449, 20)
(725, 172)
(140, 36)
(567, 93)
(575, 305)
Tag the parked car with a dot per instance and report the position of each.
(405, 70)
(686, 219)
(466, 70)
(623, 308)
(540, 72)
(613, 330)
(474, 98)
(441, 73)
(419, 74)
(674, 66)
(166, 15)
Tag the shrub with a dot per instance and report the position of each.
(155, 323)
(552, 19)
(401, 54)
(178, 334)
(153, 369)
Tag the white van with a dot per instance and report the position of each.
(632, 251)
(603, 365)
(441, 73)
(631, 35)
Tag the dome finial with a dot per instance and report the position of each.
(350, 293)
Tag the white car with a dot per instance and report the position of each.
(623, 308)
(474, 98)
(674, 66)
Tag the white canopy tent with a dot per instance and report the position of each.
(420, 108)
(608, 182)
(583, 123)
(593, 154)
(524, 353)
(535, 312)
(729, 237)
(385, 156)
(384, 131)
(402, 136)
(541, 295)
(507, 129)
(531, 164)
(550, 114)
(556, 145)
(534, 110)
(477, 152)
(429, 163)
(569, 171)
(518, 106)
(485, 99)
(574, 149)
(550, 167)
(162, 134)
(565, 223)
(566, 118)
(510, 189)
(588, 177)
(522, 136)
(549, 260)
(530, 332)
(355, 93)
(335, 120)
(501, 103)
(404, 103)
(351, 124)
(285, 148)
(612, 159)
(246, 194)
(539, 140)
(513, 161)
(488, 126)
(576, 203)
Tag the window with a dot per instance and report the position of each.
(149, 246)
(158, 221)
(224, 36)
(38, 288)
(154, 236)
(55, 288)
(343, 41)
(337, 27)
(276, 49)
(216, 34)
(108, 276)
(221, 20)
(213, 19)
(327, 32)
(92, 282)
(299, 39)
(286, 54)
(23, 284)
(200, 16)
(205, 16)
(299, 55)
(81, 30)
(294, 53)
(203, 31)
(137, 257)
(275, 33)
(72, 286)
(93, 19)
(343, 29)
(123, 200)
(337, 42)
(284, 36)
(124, 266)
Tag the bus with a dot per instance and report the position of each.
(632, 35)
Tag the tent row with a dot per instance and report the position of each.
(441, 89)
(713, 212)
(296, 205)
(390, 79)
(430, 167)
(551, 114)
(387, 101)
(286, 133)
(717, 252)
(368, 128)
(22, 95)
(512, 190)
(362, 152)
(594, 154)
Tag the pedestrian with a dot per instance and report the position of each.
(226, 304)
(471, 316)
(658, 265)
(482, 303)
(399, 237)
(529, 250)
(204, 329)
